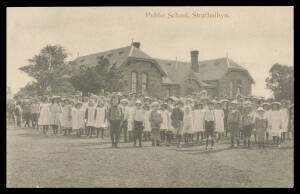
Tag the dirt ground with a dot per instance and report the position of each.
(37, 160)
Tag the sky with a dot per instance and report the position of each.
(255, 37)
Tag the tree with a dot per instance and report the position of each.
(281, 81)
(46, 67)
(31, 89)
(94, 79)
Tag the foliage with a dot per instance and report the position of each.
(281, 81)
(93, 79)
(46, 67)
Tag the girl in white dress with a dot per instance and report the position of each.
(78, 115)
(55, 110)
(90, 118)
(147, 124)
(130, 120)
(219, 118)
(266, 107)
(198, 121)
(165, 122)
(187, 124)
(275, 122)
(66, 120)
(100, 118)
(44, 118)
(285, 117)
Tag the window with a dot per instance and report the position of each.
(169, 91)
(231, 89)
(133, 82)
(144, 82)
(239, 87)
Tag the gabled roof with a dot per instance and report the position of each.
(174, 72)
(213, 69)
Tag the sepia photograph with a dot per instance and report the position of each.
(150, 97)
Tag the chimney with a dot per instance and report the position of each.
(136, 44)
(194, 61)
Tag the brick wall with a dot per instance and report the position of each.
(224, 83)
(154, 87)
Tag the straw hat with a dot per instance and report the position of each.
(234, 102)
(138, 102)
(278, 103)
(260, 109)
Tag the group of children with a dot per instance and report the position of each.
(195, 120)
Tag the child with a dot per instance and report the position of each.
(209, 125)
(55, 110)
(177, 121)
(260, 125)
(147, 124)
(155, 120)
(115, 117)
(285, 118)
(90, 118)
(219, 116)
(165, 121)
(78, 115)
(266, 107)
(198, 121)
(100, 118)
(18, 113)
(67, 117)
(34, 110)
(234, 122)
(130, 120)
(187, 124)
(247, 123)
(138, 123)
(275, 122)
(44, 114)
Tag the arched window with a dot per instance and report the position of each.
(239, 87)
(144, 82)
(133, 82)
(231, 89)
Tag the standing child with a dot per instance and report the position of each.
(209, 124)
(219, 116)
(138, 123)
(177, 121)
(66, 121)
(165, 122)
(247, 123)
(266, 107)
(155, 120)
(187, 124)
(131, 108)
(100, 118)
(275, 122)
(285, 118)
(115, 117)
(90, 118)
(34, 110)
(124, 127)
(44, 114)
(234, 123)
(78, 114)
(147, 124)
(260, 125)
(55, 110)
